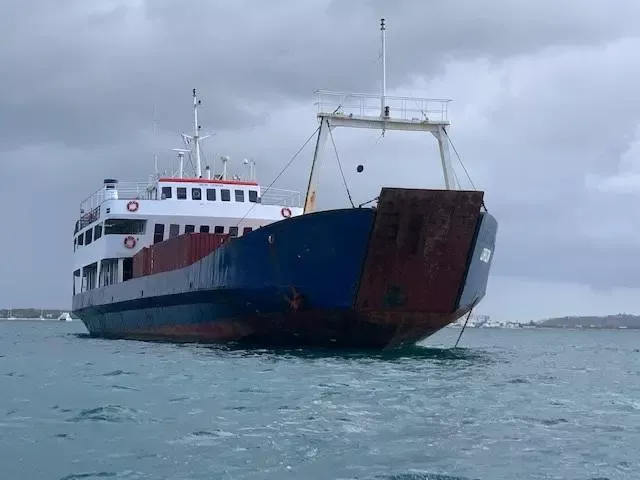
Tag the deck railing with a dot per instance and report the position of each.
(125, 191)
(365, 105)
(90, 207)
(279, 196)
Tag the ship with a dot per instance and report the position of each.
(204, 257)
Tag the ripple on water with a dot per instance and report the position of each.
(422, 476)
(125, 474)
(108, 413)
(116, 373)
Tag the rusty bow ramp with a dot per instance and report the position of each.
(417, 260)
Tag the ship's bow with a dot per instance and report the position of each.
(427, 262)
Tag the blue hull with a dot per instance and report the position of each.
(312, 280)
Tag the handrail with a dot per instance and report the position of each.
(367, 105)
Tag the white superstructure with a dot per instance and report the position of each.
(120, 219)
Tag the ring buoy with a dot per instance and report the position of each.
(132, 206)
(130, 242)
(285, 212)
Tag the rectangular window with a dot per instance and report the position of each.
(196, 194)
(189, 228)
(225, 195)
(81, 239)
(218, 229)
(239, 195)
(233, 232)
(253, 196)
(174, 230)
(124, 226)
(88, 236)
(166, 192)
(211, 194)
(158, 233)
(181, 193)
(97, 232)
(204, 228)
(246, 230)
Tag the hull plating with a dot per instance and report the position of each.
(348, 278)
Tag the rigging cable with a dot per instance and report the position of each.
(291, 161)
(463, 167)
(369, 201)
(281, 172)
(344, 180)
(375, 144)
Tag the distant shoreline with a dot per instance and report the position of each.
(32, 314)
(609, 322)
(621, 321)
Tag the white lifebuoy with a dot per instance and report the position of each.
(285, 212)
(132, 206)
(130, 242)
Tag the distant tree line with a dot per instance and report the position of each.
(620, 320)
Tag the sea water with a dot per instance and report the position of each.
(506, 404)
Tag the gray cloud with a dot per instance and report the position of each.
(89, 63)
(544, 95)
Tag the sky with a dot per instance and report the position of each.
(545, 115)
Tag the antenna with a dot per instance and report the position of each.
(383, 32)
(225, 159)
(155, 140)
(196, 131)
(181, 152)
(252, 165)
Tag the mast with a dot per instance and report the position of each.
(355, 110)
(196, 138)
(155, 141)
(383, 31)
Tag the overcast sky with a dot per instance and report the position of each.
(545, 116)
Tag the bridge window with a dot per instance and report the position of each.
(225, 194)
(239, 195)
(181, 193)
(81, 239)
(218, 229)
(233, 232)
(196, 194)
(253, 196)
(122, 226)
(158, 233)
(97, 232)
(174, 230)
(204, 228)
(246, 230)
(189, 228)
(166, 192)
(88, 236)
(211, 194)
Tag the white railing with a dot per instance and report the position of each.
(279, 196)
(125, 191)
(144, 191)
(400, 108)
